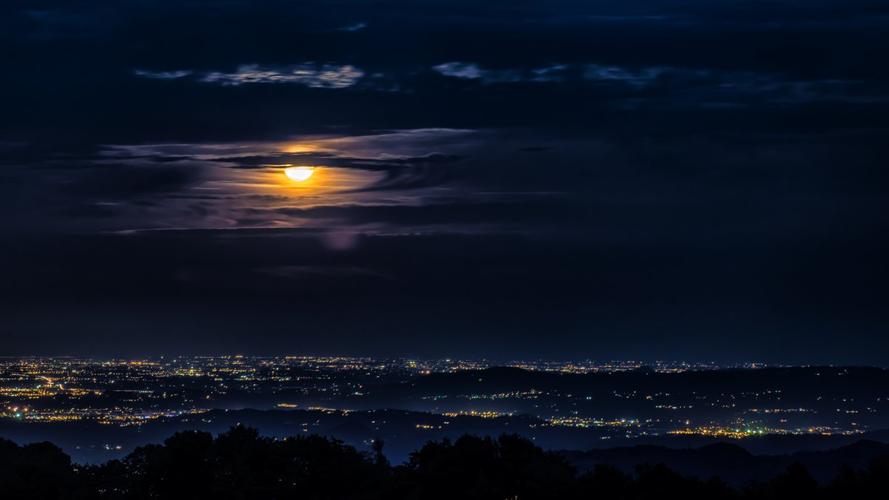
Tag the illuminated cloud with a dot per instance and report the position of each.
(329, 76)
(470, 71)
(592, 72)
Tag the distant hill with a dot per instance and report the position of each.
(801, 381)
(730, 462)
(403, 431)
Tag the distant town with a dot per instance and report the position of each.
(410, 400)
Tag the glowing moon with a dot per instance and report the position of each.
(299, 174)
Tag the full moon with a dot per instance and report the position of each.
(299, 174)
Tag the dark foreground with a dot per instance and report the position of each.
(241, 464)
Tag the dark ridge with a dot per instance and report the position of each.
(241, 463)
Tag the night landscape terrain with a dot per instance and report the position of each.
(506, 250)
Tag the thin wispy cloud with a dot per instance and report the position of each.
(354, 27)
(456, 69)
(473, 71)
(635, 78)
(330, 76)
(553, 73)
(162, 75)
(324, 76)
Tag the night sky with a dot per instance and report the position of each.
(637, 179)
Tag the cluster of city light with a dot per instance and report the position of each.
(108, 416)
(135, 391)
(593, 366)
(529, 394)
(748, 432)
(721, 432)
(479, 413)
(46, 391)
(583, 422)
(780, 410)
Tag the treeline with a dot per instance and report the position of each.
(241, 464)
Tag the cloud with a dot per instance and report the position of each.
(409, 173)
(386, 146)
(112, 186)
(635, 78)
(162, 75)
(457, 69)
(354, 27)
(472, 71)
(553, 73)
(330, 76)
(549, 73)
(550, 65)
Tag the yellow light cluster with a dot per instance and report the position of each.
(591, 422)
(476, 413)
(741, 433)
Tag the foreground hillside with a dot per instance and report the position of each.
(241, 464)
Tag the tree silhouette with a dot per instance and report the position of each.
(242, 464)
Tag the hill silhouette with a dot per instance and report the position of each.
(242, 464)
